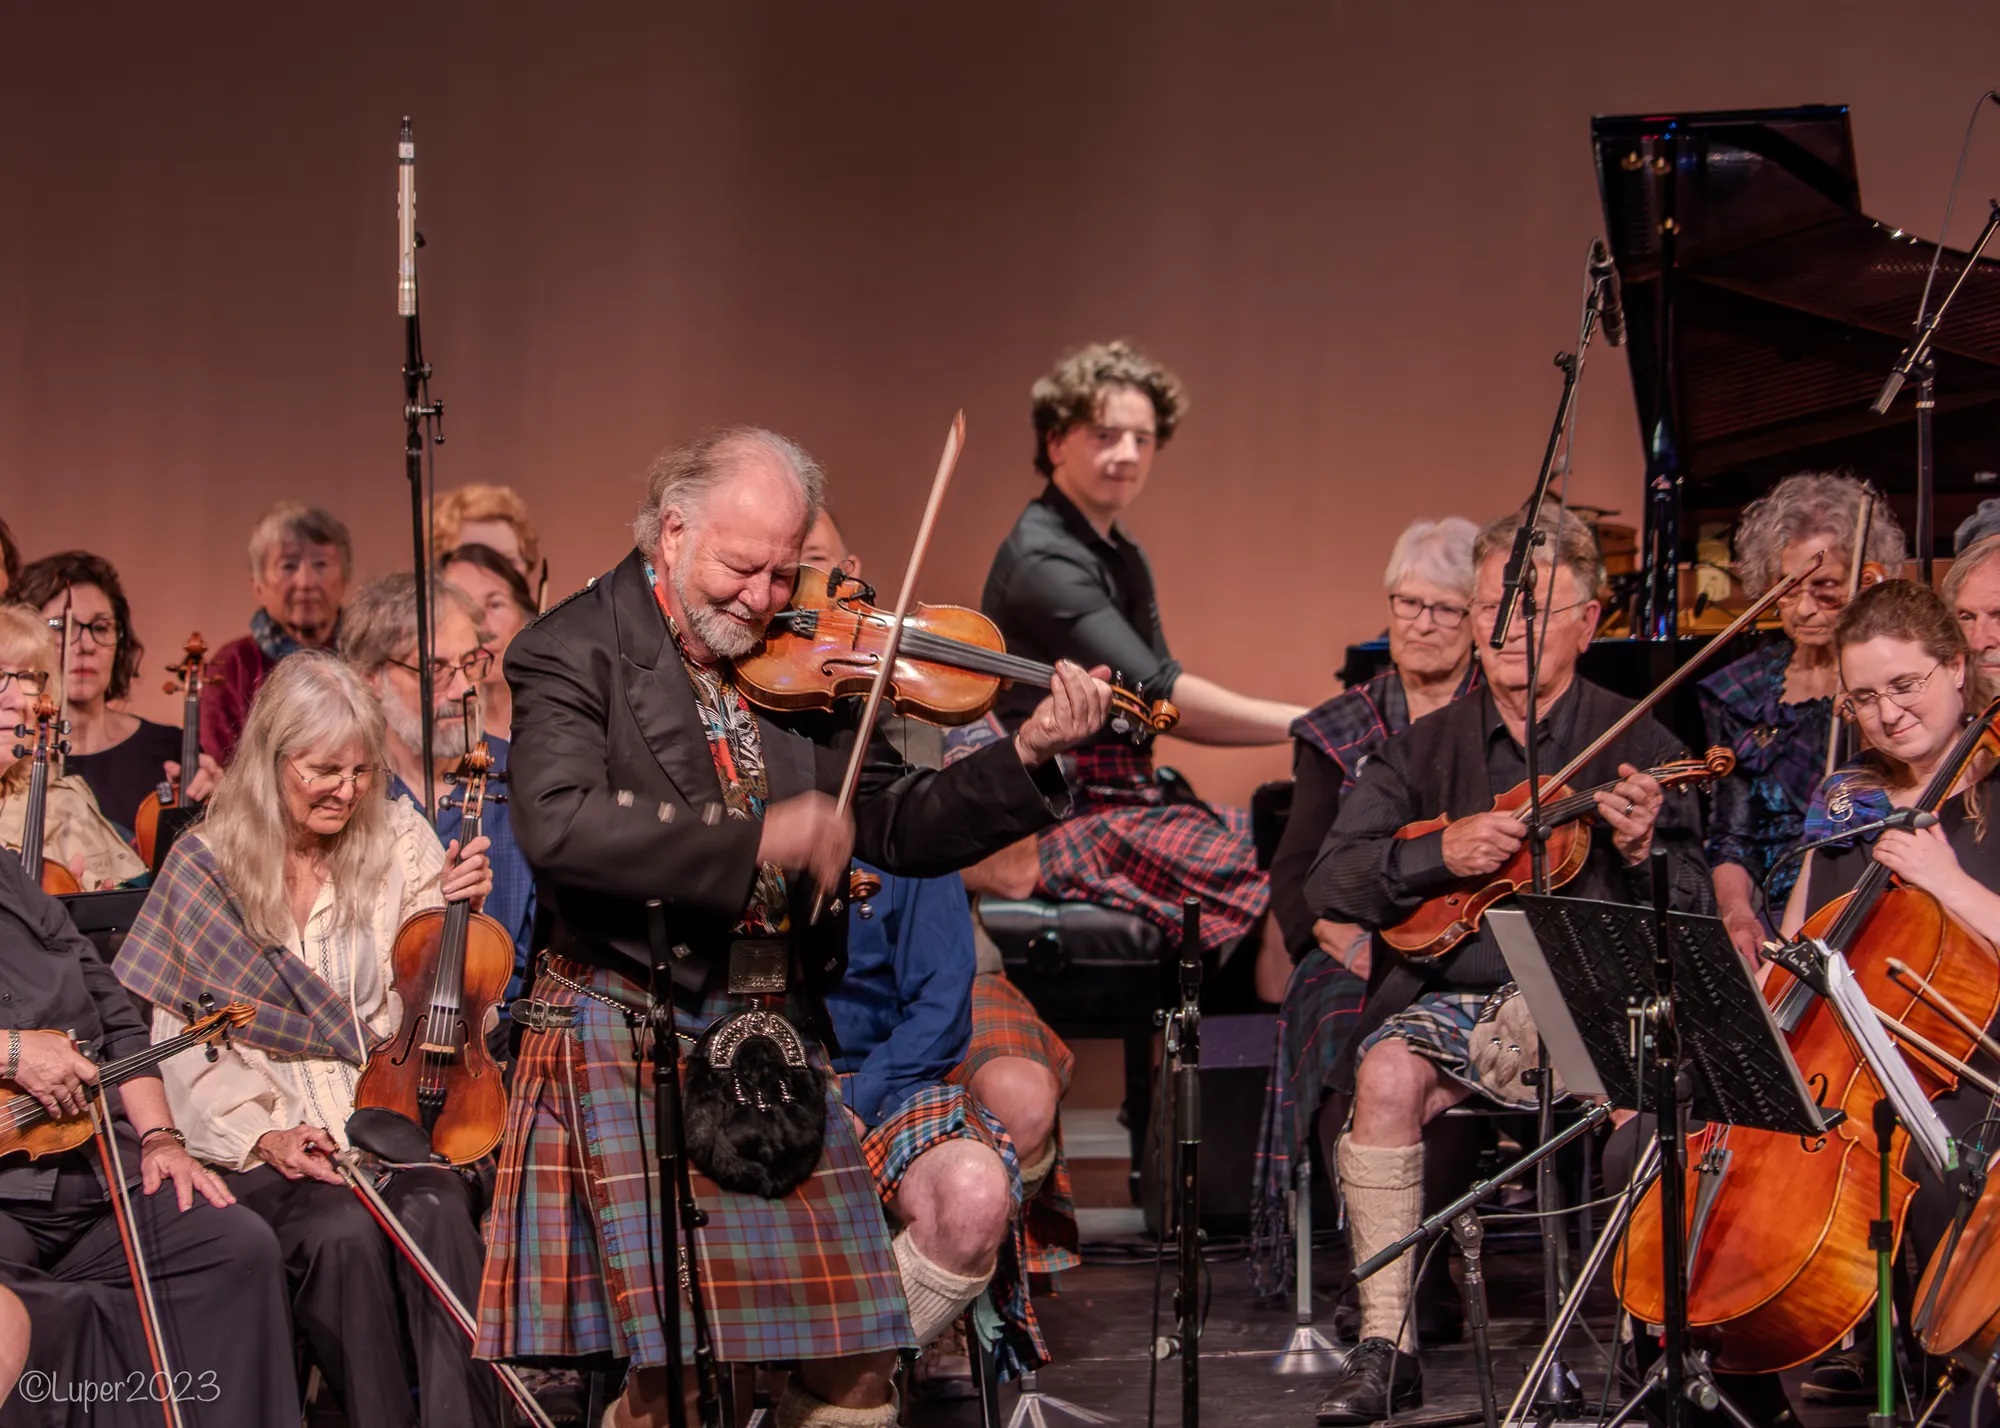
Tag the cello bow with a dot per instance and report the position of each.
(1694, 662)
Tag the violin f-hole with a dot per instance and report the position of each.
(1817, 1084)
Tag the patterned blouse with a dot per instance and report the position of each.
(1758, 811)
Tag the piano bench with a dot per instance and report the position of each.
(1090, 971)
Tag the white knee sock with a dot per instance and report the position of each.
(936, 1295)
(1383, 1187)
(1033, 1177)
(799, 1409)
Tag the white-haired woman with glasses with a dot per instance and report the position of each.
(291, 890)
(75, 832)
(1428, 594)
(1774, 706)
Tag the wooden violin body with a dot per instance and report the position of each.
(1442, 922)
(1783, 1269)
(26, 1126)
(949, 669)
(436, 1069)
(187, 682)
(48, 731)
(452, 966)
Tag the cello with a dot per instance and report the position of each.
(48, 731)
(452, 966)
(1781, 1267)
(189, 677)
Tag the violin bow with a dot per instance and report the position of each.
(954, 442)
(135, 1257)
(1694, 662)
(1855, 561)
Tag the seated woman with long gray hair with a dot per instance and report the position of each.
(290, 891)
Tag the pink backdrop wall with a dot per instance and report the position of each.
(1355, 229)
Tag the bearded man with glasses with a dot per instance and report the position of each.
(379, 630)
(1409, 1057)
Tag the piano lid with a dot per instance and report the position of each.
(1765, 309)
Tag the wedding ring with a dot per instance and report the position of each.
(1628, 806)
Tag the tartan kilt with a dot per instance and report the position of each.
(1145, 859)
(1005, 1023)
(1321, 1009)
(931, 1116)
(572, 1240)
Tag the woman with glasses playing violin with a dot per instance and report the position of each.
(301, 852)
(75, 832)
(1774, 707)
(120, 755)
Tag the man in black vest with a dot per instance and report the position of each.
(1411, 1056)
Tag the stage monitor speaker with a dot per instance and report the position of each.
(1235, 1063)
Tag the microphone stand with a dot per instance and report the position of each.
(680, 1265)
(1916, 360)
(1518, 592)
(420, 415)
(1183, 1049)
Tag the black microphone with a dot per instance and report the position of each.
(406, 222)
(1610, 293)
(1911, 818)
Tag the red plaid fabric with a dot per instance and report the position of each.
(1146, 860)
(1004, 1023)
(572, 1241)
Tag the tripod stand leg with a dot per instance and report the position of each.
(1308, 1351)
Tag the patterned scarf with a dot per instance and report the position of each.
(270, 637)
(738, 752)
(190, 939)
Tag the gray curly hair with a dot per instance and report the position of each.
(1821, 503)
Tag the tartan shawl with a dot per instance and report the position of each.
(1354, 722)
(190, 939)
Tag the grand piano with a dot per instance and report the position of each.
(1764, 310)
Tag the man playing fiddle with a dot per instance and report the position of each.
(1412, 1050)
(640, 772)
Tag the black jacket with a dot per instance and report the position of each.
(614, 797)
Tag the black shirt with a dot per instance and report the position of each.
(1059, 590)
(130, 771)
(1457, 762)
(51, 979)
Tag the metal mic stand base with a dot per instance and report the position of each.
(1035, 1409)
(1702, 1391)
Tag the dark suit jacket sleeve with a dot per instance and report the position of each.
(1316, 783)
(924, 823)
(1364, 873)
(1062, 605)
(569, 821)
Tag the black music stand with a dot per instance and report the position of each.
(1596, 972)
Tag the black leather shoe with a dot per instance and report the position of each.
(1377, 1381)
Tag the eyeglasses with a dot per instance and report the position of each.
(1903, 693)
(103, 630)
(475, 667)
(1483, 611)
(319, 785)
(1445, 617)
(1827, 594)
(32, 680)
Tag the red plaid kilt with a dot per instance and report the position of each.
(930, 1117)
(572, 1241)
(1004, 1023)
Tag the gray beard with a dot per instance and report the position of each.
(447, 729)
(721, 634)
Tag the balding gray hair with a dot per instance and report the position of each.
(1564, 533)
(1437, 551)
(379, 620)
(683, 479)
(303, 525)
